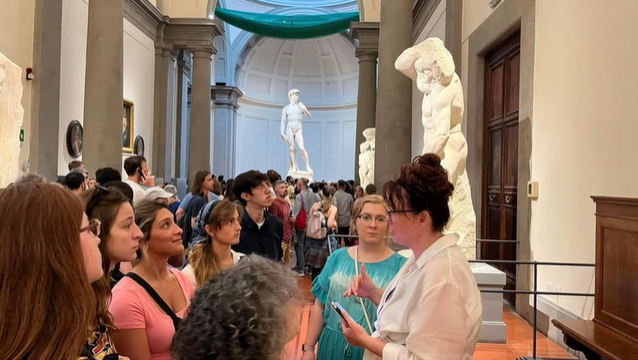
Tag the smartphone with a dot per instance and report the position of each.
(139, 171)
(340, 310)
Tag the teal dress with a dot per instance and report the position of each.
(329, 286)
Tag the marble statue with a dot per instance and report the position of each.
(294, 113)
(431, 65)
(11, 115)
(366, 158)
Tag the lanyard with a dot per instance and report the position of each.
(356, 271)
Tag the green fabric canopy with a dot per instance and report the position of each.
(288, 26)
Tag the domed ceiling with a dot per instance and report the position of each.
(325, 70)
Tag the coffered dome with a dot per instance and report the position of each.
(325, 70)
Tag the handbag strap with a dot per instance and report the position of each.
(156, 297)
(356, 272)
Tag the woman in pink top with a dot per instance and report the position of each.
(144, 331)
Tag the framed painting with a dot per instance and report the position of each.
(74, 139)
(128, 117)
(138, 146)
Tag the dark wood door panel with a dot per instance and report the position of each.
(500, 167)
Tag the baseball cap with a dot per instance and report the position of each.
(155, 193)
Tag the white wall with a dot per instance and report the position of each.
(75, 17)
(139, 80)
(139, 62)
(16, 43)
(586, 83)
(329, 139)
(435, 27)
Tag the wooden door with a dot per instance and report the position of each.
(502, 74)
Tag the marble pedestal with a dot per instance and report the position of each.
(487, 278)
(300, 174)
(490, 278)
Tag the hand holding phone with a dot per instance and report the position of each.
(340, 310)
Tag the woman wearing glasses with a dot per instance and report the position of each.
(120, 239)
(370, 219)
(432, 308)
(49, 256)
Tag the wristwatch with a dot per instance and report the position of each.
(305, 348)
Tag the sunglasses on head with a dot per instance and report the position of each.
(95, 198)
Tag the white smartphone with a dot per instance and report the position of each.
(340, 310)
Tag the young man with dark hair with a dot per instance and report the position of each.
(261, 233)
(75, 182)
(106, 175)
(138, 174)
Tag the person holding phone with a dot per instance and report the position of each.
(432, 308)
(370, 219)
(138, 174)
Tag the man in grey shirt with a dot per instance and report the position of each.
(309, 199)
(343, 201)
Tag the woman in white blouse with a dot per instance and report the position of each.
(432, 309)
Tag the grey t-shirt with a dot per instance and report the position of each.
(343, 201)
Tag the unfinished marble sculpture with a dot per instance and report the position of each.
(366, 158)
(294, 113)
(11, 114)
(431, 65)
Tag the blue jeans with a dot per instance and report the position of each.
(300, 250)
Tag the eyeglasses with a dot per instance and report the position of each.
(93, 228)
(367, 219)
(95, 198)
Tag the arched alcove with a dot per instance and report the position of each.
(325, 70)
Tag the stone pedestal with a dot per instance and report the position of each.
(490, 278)
(103, 94)
(367, 34)
(225, 101)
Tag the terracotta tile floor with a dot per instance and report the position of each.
(519, 337)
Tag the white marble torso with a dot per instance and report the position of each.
(431, 65)
(11, 116)
(366, 158)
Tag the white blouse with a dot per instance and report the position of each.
(190, 272)
(432, 309)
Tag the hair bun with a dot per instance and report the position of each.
(426, 169)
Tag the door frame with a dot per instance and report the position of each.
(509, 17)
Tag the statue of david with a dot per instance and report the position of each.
(294, 113)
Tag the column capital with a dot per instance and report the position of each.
(196, 34)
(366, 56)
(367, 35)
(223, 95)
(165, 50)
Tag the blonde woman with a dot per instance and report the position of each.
(219, 228)
(370, 219)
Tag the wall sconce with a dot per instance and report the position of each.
(30, 75)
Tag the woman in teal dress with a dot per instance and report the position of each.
(369, 217)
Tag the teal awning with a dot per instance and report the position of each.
(288, 26)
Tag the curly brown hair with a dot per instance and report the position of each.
(421, 185)
(240, 314)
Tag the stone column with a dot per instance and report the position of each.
(367, 34)
(225, 100)
(394, 98)
(199, 145)
(181, 135)
(45, 108)
(103, 94)
(162, 165)
(196, 36)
